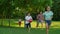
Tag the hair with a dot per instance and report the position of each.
(27, 13)
(46, 8)
(39, 12)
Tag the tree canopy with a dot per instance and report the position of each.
(18, 8)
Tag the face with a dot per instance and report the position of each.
(28, 14)
(48, 8)
(40, 12)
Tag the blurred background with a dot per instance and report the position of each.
(13, 10)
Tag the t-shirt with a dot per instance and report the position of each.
(48, 15)
(27, 18)
(40, 16)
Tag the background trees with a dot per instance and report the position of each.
(18, 8)
(56, 10)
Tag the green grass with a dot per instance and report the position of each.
(20, 30)
(16, 30)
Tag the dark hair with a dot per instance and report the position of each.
(27, 13)
(46, 8)
(39, 12)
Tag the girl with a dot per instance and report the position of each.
(28, 19)
(40, 19)
(48, 14)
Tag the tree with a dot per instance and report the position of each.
(8, 8)
(56, 10)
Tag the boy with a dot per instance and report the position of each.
(28, 19)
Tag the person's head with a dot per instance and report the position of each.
(47, 8)
(41, 12)
(28, 14)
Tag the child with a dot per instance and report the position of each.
(28, 19)
(19, 22)
(48, 18)
(40, 19)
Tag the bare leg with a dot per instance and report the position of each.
(37, 24)
(42, 26)
(47, 28)
(29, 29)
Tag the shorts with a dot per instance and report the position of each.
(48, 22)
(40, 21)
(28, 25)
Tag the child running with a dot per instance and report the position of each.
(48, 15)
(40, 19)
(28, 19)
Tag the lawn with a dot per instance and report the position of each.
(15, 29)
